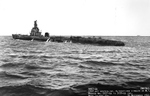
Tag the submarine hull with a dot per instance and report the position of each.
(27, 37)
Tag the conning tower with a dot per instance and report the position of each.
(35, 30)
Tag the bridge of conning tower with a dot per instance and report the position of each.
(35, 30)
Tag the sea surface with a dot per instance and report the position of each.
(32, 68)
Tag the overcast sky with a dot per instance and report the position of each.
(76, 17)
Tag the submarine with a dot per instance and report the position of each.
(36, 35)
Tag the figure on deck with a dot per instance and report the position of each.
(35, 24)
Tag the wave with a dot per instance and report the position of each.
(4, 74)
(145, 83)
(29, 56)
(24, 65)
(31, 90)
(73, 57)
(100, 63)
(19, 51)
(22, 90)
(13, 55)
(29, 74)
(35, 52)
(44, 56)
(34, 66)
(11, 65)
(131, 87)
(84, 66)
(75, 90)
(36, 57)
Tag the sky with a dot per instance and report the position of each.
(76, 17)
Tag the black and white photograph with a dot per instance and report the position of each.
(74, 47)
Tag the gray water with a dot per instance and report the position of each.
(57, 66)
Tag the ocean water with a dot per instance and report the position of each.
(32, 68)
